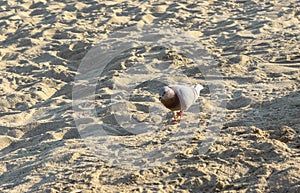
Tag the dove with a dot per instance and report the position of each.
(179, 97)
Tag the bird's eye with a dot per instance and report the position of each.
(164, 92)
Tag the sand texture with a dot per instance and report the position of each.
(242, 135)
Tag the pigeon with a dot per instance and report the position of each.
(179, 97)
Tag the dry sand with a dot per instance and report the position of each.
(256, 47)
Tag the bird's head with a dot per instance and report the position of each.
(166, 93)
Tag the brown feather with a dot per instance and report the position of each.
(172, 103)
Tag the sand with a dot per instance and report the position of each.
(241, 136)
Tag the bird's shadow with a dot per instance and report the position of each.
(169, 119)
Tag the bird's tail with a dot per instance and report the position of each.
(198, 88)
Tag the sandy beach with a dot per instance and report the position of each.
(79, 108)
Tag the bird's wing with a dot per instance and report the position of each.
(187, 95)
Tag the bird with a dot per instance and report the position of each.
(179, 98)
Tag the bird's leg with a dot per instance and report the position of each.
(175, 118)
(178, 114)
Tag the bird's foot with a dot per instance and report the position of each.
(177, 117)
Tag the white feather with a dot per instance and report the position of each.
(198, 88)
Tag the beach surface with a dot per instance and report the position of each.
(79, 108)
